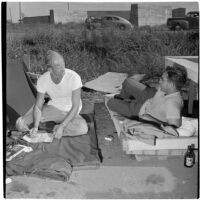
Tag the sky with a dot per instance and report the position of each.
(61, 9)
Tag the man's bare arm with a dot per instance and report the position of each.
(76, 96)
(37, 110)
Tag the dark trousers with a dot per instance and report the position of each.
(131, 88)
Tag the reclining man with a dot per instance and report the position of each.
(64, 89)
(162, 105)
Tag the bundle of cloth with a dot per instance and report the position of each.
(148, 132)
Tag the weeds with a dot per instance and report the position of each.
(92, 53)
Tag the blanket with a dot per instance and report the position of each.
(41, 164)
(78, 151)
(146, 132)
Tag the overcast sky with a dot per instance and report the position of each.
(61, 8)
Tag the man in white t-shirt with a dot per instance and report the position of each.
(63, 86)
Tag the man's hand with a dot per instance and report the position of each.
(58, 131)
(33, 131)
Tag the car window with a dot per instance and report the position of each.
(116, 18)
(108, 18)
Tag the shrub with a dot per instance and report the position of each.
(92, 53)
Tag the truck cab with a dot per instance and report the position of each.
(190, 21)
(193, 19)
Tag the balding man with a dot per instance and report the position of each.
(64, 89)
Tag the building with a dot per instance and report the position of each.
(141, 14)
(49, 19)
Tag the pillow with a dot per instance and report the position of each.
(189, 127)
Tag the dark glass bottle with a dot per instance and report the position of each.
(189, 158)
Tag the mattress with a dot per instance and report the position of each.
(163, 146)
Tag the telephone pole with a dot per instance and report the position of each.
(20, 13)
(68, 5)
(10, 15)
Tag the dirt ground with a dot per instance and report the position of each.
(119, 175)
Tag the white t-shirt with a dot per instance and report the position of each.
(60, 94)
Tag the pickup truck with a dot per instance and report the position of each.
(190, 21)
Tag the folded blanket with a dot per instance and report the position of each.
(148, 133)
(42, 164)
(144, 132)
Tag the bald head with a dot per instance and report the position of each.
(54, 59)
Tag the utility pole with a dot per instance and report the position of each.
(20, 13)
(10, 15)
(68, 5)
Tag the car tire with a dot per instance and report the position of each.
(178, 27)
(122, 27)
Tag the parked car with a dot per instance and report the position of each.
(109, 21)
(190, 21)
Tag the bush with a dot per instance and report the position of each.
(92, 53)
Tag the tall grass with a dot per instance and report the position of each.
(92, 53)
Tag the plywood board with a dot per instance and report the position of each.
(161, 144)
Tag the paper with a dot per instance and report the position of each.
(39, 137)
(15, 150)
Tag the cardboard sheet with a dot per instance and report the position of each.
(110, 82)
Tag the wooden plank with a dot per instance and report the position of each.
(166, 143)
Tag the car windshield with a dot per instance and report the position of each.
(193, 14)
(115, 18)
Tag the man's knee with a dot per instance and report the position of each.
(21, 124)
